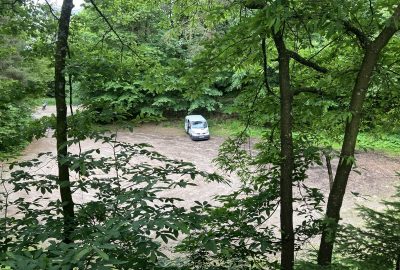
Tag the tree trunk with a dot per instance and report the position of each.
(287, 156)
(346, 160)
(61, 126)
(329, 167)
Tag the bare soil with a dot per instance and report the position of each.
(376, 181)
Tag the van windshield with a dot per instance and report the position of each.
(199, 124)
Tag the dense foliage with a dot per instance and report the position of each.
(146, 60)
(24, 74)
(376, 244)
(136, 68)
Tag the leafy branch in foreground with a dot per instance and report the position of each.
(242, 233)
(124, 219)
(376, 245)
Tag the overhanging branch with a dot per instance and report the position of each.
(111, 27)
(306, 62)
(361, 36)
(51, 10)
(392, 26)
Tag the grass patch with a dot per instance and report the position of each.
(232, 127)
(369, 141)
(387, 143)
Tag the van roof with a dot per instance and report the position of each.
(195, 118)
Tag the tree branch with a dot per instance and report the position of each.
(388, 31)
(371, 9)
(265, 65)
(394, 72)
(111, 27)
(102, 39)
(212, 58)
(361, 36)
(306, 62)
(51, 10)
(323, 48)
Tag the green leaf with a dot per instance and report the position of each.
(82, 253)
(102, 254)
(211, 245)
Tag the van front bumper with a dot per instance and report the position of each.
(200, 137)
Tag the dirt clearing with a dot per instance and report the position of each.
(376, 181)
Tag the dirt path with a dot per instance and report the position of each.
(376, 181)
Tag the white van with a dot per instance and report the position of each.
(197, 128)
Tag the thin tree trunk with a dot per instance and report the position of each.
(398, 262)
(61, 126)
(287, 156)
(286, 140)
(329, 167)
(346, 160)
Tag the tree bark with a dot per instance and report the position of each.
(61, 125)
(336, 195)
(329, 167)
(287, 156)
